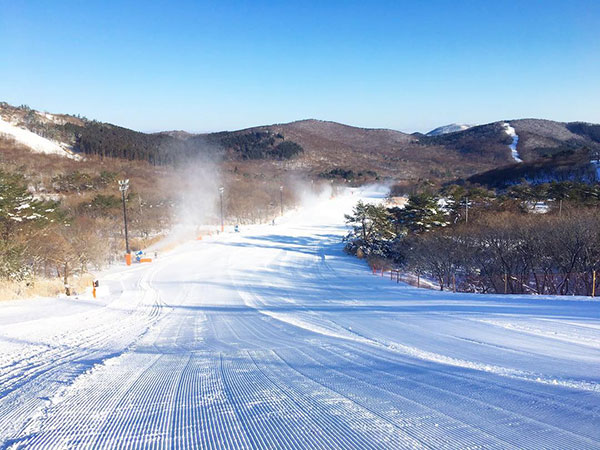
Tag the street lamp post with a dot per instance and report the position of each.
(123, 186)
(281, 199)
(221, 190)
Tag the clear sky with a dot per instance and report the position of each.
(205, 66)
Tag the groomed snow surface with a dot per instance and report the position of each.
(273, 338)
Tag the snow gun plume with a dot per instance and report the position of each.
(196, 197)
(307, 192)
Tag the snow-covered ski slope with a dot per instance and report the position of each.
(514, 154)
(272, 338)
(34, 142)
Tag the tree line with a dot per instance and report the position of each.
(104, 140)
(473, 240)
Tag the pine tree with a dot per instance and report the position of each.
(372, 229)
(423, 212)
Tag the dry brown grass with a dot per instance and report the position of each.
(42, 287)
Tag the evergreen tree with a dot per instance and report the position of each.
(372, 229)
(423, 212)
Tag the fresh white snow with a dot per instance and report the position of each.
(35, 142)
(273, 338)
(515, 140)
(452, 128)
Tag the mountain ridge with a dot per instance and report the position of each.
(316, 146)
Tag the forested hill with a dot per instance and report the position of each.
(569, 165)
(164, 148)
(106, 140)
(325, 148)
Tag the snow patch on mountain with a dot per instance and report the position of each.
(515, 140)
(452, 128)
(35, 142)
(596, 164)
(50, 118)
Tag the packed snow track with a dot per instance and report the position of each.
(273, 338)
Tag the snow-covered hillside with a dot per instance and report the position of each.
(452, 128)
(33, 141)
(274, 338)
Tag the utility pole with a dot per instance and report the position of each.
(123, 186)
(221, 190)
(281, 198)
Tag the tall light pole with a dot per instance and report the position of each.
(281, 198)
(123, 186)
(221, 190)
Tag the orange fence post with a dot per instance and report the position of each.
(128, 259)
(594, 283)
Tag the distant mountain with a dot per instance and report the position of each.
(552, 151)
(330, 144)
(543, 138)
(388, 153)
(314, 147)
(488, 144)
(179, 134)
(452, 128)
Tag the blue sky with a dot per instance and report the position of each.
(204, 66)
